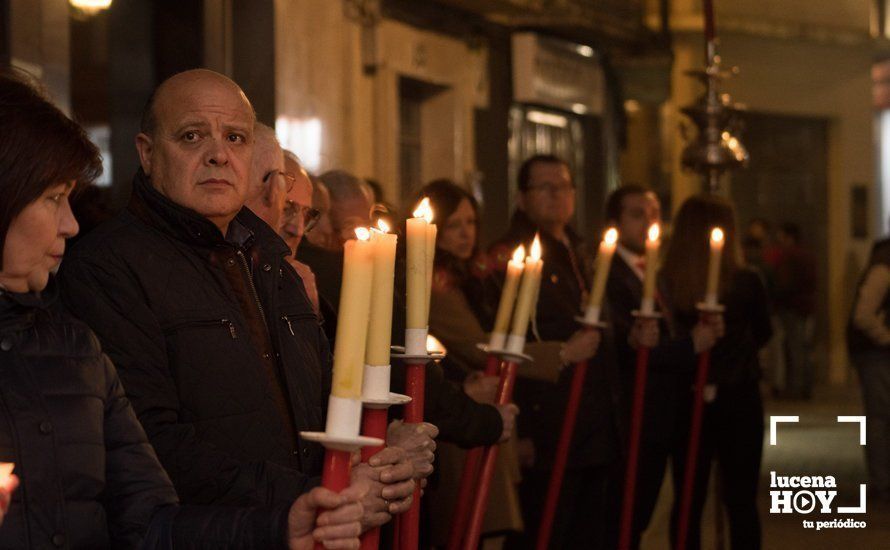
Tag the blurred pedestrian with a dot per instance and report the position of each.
(794, 297)
(868, 340)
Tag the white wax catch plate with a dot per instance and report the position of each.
(341, 443)
(508, 355)
(599, 324)
(705, 307)
(393, 400)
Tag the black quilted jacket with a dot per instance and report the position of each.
(89, 478)
(152, 284)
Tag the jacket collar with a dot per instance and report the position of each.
(17, 309)
(156, 210)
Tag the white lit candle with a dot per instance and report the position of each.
(416, 266)
(380, 325)
(508, 299)
(603, 263)
(431, 231)
(528, 295)
(717, 241)
(647, 307)
(353, 316)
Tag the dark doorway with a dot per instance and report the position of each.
(787, 181)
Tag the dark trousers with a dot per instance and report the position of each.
(651, 465)
(874, 376)
(587, 514)
(732, 434)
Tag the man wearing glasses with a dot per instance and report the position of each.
(546, 205)
(297, 219)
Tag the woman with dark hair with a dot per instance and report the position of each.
(88, 476)
(732, 431)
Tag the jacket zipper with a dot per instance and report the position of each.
(253, 292)
(224, 322)
(231, 326)
(287, 319)
(290, 327)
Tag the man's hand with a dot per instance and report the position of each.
(338, 521)
(389, 477)
(418, 442)
(305, 273)
(707, 331)
(508, 416)
(644, 333)
(581, 346)
(481, 388)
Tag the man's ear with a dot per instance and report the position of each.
(145, 147)
(273, 193)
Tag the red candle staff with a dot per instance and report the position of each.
(590, 321)
(515, 343)
(341, 436)
(376, 396)
(490, 454)
(708, 308)
(420, 255)
(377, 400)
(701, 377)
(647, 311)
(497, 341)
(469, 477)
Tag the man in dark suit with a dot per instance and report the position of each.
(632, 209)
(546, 206)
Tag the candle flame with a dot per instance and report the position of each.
(611, 236)
(433, 344)
(424, 210)
(384, 227)
(536, 248)
(362, 233)
(716, 235)
(654, 232)
(519, 254)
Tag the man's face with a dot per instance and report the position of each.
(638, 212)
(347, 214)
(549, 200)
(200, 153)
(299, 199)
(267, 180)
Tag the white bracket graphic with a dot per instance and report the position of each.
(855, 509)
(860, 420)
(773, 420)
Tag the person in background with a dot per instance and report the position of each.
(351, 201)
(795, 302)
(868, 340)
(269, 184)
(546, 206)
(88, 476)
(732, 431)
(209, 327)
(632, 209)
(323, 234)
(298, 218)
